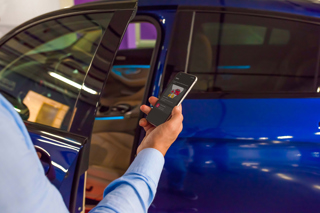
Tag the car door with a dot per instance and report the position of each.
(53, 69)
(250, 139)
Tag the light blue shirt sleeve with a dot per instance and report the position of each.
(25, 188)
(135, 190)
(23, 185)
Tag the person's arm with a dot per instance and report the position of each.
(23, 184)
(135, 190)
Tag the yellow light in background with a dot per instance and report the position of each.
(276, 142)
(265, 170)
(254, 167)
(284, 176)
(72, 83)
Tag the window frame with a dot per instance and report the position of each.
(146, 17)
(246, 12)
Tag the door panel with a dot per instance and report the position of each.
(63, 148)
(68, 151)
(244, 155)
(241, 150)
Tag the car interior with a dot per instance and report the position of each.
(118, 113)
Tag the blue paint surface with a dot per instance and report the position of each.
(63, 151)
(244, 155)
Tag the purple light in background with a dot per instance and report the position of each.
(148, 31)
(129, 38)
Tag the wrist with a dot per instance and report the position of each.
(161, 148)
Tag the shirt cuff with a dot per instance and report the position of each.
(148, 162)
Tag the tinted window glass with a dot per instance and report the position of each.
(234, 34)
(42, 68)
(253, 54)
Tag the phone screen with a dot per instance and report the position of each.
(175, 92)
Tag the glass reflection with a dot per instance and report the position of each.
(44, 66)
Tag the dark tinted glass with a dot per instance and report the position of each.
(42, 68)
(253, 54)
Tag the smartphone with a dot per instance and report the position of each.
(173, 95)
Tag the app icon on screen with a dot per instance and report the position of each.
(175, 91)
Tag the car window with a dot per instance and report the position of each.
(253, 54)
(243, 34)
(43, 67)
(242, 53)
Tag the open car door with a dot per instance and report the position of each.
(53, 69)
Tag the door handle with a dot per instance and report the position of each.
(45, 159)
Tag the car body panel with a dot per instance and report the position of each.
(237, 176)
(63, 149)
(242, 152)
(236, 158)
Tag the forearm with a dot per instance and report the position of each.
(135, 190)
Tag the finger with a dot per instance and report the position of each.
(177, 117)
(145, 109)
(145, 124)
(153, 100)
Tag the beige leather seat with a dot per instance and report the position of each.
(109, 159)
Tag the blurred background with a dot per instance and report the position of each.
(15, 12)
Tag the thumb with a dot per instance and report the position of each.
(177, 116)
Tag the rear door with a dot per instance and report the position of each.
(250, 140)
(53, 69)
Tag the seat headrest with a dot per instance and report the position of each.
(201, 55)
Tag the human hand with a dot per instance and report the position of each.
(162, 136)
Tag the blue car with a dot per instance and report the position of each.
(251, 133)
